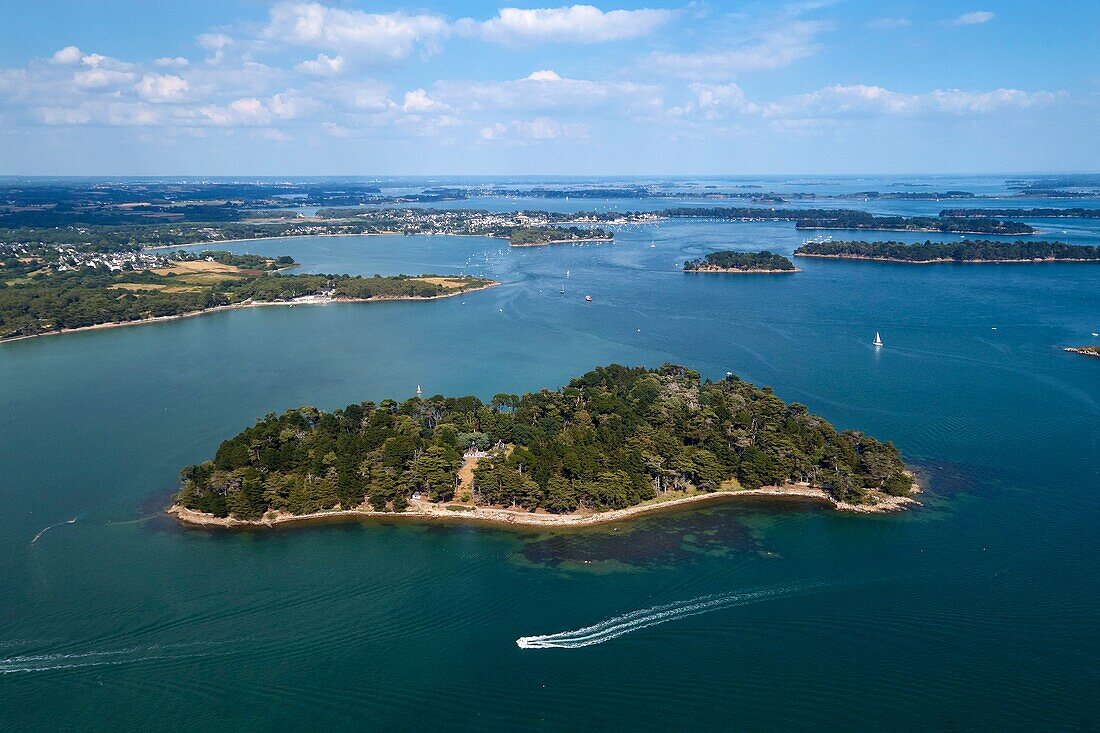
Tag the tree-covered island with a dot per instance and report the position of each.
(852, 219)
(615, 441)
(539, 236)
(967, 250)
(1034, 213)
(49, 290)
(741, 262)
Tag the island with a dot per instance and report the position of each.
(50, 290)
(1084, 350)
(965, 251)
(852, 219)
(1033, 213)
(730, 261)
(541, 236)
(613, 443)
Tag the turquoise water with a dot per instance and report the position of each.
(975, 611)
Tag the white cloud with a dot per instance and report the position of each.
(976, 17)
(64, 116)
(774, 47)
(161, 87)
(715, 101)
(322, 65)
(245, 111)
(381, 36)
(544, 75)
(418, 101)
(861, 100)
(336, 130)
(98, 79)
(535, 130)
(178, 61)
(573, 24)
(546, 90)
(886, 24)
(711, 102)
(67, 56)
(214, 41)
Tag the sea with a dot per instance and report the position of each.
(975, 611)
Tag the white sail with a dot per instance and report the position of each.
(878, 339)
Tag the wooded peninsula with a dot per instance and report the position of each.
(613, 439)
(978, 250)
(741, 262)
(40, 296)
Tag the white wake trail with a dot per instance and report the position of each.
(636, 620)
(44, 530)
(49, 662)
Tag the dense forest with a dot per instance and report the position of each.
(967, 250)
(610, 439)
(740, 261)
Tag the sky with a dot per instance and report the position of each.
(251, 88)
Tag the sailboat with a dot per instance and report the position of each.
(878, 339)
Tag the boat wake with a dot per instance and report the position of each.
(44, 530)
(49, 662)
(617, 626)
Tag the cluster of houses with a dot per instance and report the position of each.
(474, 452)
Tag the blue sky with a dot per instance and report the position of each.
(243, 87)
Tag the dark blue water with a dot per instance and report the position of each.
(975, 611)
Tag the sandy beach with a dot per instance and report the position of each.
(519, 517)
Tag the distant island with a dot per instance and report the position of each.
(540, 236)
(852, 219)
(730, 261)
(52, 290)
(978, 250)
(1084, 350)
(612, 443)
(1046, 213)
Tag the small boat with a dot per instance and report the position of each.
(588, 298)
(563, 290)
(878, 339)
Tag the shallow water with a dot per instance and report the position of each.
(974, 611)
